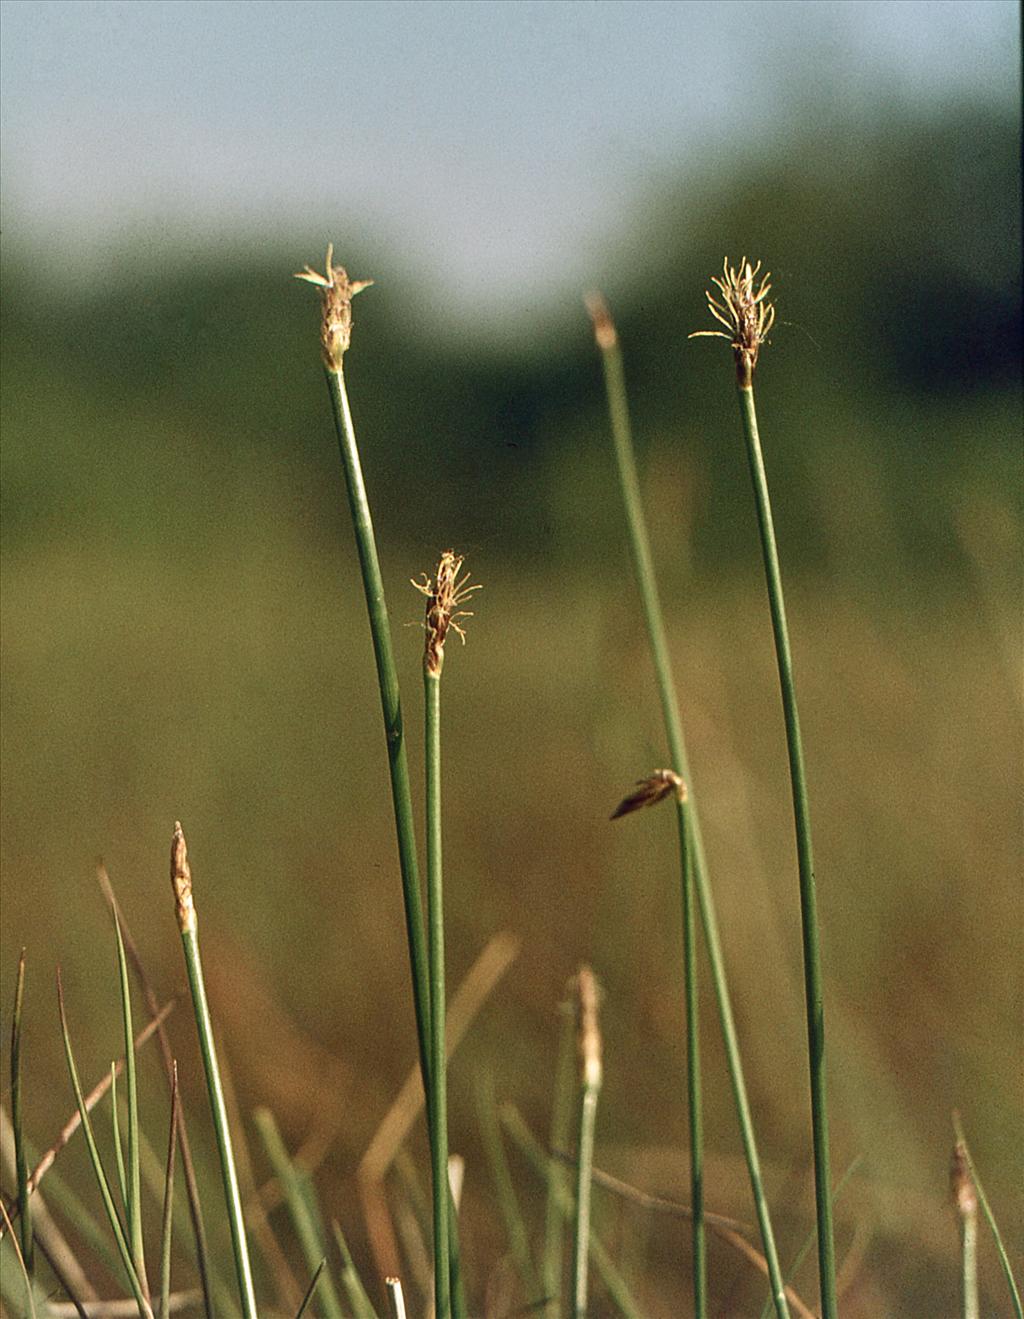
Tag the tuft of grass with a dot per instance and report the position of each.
(690, 838)
(748, 316)
(113, 1218)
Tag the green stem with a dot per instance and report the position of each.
(697, 1233)
(17, 1121)
(380, 631)
(584, 1175)
(394, 731)
(232, 1197)
(969, 1264)
(561, 1121)
(644, 566)
(437, 1112)
(808, 900)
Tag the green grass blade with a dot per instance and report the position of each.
(134, 1198)
(29, 1288)
(360, 1302)
(17, 1121)
(616, 1286)
(101, 1177)
(303, 1220)
(181, 883)
(643, 564)
(311, 1289)
(168, 1212)
(504, 1188)
(807, 1245)
(986, 1209)
(115, 1122)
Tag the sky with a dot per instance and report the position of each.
(496, 143)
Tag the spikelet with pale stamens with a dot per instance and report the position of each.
(445, 593)
(336, 294)
(746, 314)
(651, 790)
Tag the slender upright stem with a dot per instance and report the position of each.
(394, 732)
(801, 816)
(698, 1237)
(18, 1120)
(387, 677)
(438, 1108)
(644, 566)
(181, 880)
(589, 1048)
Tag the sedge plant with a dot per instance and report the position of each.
(336, 294)
(181, 882)
(445, 594)
(747, 315)
(688, 820)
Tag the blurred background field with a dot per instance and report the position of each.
(184, 633)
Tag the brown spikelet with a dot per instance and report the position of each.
(745, 313)
(604, 327)
(181, 880)
(961, 1184)
(444, 596)
(651, 790)
(336, 294)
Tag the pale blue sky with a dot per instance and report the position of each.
(501, 143)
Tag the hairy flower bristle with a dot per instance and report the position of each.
(746, 314)
(336, 294)
(445, 593)
(656, 787)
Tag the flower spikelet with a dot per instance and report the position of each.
(336, 294)
(445, 593)
(744, 311)
(656, 787)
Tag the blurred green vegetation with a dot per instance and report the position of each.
(184, 637)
